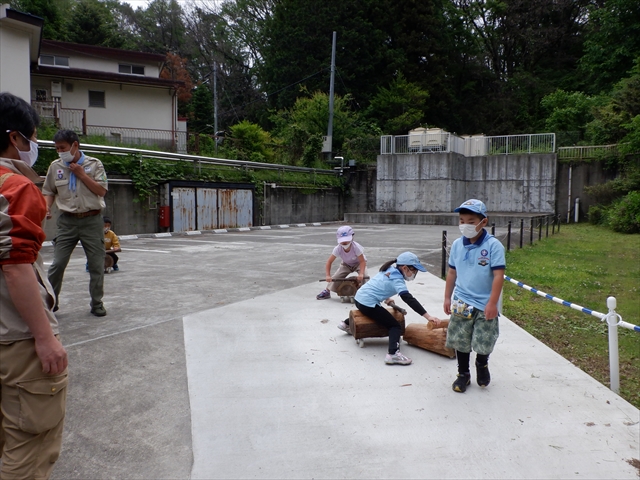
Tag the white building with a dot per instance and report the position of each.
(19, 47)
(93, 90)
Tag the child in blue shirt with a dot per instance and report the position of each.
(473, 288)
(391, 280)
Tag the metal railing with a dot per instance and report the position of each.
(515, 144)
(168, 139)
(591, 151)
(467, 146)
(196, 160)
(613, 320)
(416, 143)
(68, 118)
(73, 119)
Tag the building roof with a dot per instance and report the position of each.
(96, 75)
(103, 52)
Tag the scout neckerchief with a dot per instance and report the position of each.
(72, 176)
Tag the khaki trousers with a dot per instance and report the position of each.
(90, 232)
(32, 408)
(343, 272)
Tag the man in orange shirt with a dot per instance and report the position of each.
(32, 359)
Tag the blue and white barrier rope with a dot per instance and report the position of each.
(601, 316)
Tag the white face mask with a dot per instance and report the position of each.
(106, 229)
(409, 278)
(468, 230)
(66, 157)
(345, 246)
(31, 156)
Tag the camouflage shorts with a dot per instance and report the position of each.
(475, 333)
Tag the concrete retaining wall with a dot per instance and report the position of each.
(582, 175)
(128, 216)
(283, 205)
(439, 182)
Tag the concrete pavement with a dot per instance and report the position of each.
(215, 361)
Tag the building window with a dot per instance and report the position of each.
(131, 69)
(54, 60)
(41, 95)
(96, 99)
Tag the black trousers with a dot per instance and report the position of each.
(382, 317)
(115, 258)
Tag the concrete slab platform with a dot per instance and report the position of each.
(277, 391)
(132, 399)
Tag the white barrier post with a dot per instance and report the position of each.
(614, 364)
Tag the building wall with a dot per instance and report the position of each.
(14, 62)
(439, 182)
(145, 107)
(110, 65)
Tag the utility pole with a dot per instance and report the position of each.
(215, 104)
(327, 144)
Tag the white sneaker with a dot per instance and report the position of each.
(397, 359)
(344, 326)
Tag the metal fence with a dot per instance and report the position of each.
(582, 152)
(73, 119)
(167, 139)
(467, 146)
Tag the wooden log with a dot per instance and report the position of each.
(426, 336)
(347, 288)
(363, 327)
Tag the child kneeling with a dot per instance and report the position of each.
(391, 280)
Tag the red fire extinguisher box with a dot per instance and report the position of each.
(163, 216)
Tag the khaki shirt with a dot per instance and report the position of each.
(82, 200)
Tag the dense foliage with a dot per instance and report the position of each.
(467, 66)
(496, 67)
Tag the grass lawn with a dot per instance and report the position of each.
(583, 264)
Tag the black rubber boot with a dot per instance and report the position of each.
(483, 376)
(461, 383)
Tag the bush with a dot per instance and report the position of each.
(624, 215)
(597, 214)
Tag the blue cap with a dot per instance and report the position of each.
(411, 260)
(473, 205)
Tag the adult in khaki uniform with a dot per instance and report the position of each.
(33, 362)
(78, 185)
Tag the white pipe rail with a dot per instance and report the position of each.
(613, 319)
(195, 159)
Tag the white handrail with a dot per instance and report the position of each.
(613, 319)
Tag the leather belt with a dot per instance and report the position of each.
(90, 213)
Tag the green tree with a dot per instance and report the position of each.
(528, 48)
(612, 43)
(251, 142)
(568, 112)
(160, 27)
(215, 52)
(202, 119)
(615, 117)
(399, 108)
(307, 121)
(297, 50)
(53, 14)
(92, 23)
